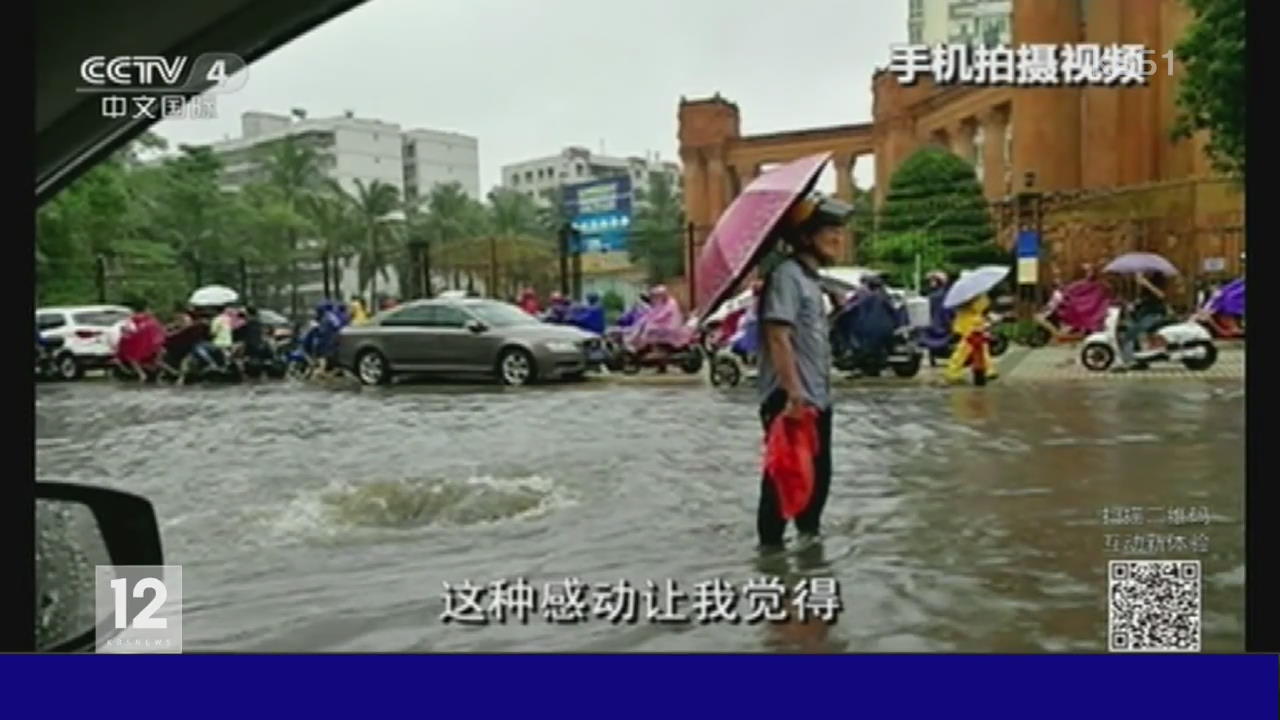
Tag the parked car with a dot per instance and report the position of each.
(464, 336)
(86, 331)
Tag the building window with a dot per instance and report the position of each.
(528, 176)
(515, 179)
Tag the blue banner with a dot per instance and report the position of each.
(1239, 687)
(601, 214)
(1028, 244)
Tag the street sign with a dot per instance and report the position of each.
(601, 214)
(1028, 252)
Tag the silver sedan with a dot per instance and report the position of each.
(464, 336)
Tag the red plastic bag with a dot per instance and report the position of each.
(790, 446)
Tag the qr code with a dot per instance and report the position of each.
(1154, 605)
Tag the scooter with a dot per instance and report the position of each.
(903, 356)
(1185, 342)
(1040, 335)
(688, 357)
(731, 363)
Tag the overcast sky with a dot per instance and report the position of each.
(529, 77)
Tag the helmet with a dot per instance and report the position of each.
(658, 291)
(593, 297)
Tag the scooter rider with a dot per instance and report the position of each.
(1149, 312)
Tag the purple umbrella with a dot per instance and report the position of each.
(1138, 263)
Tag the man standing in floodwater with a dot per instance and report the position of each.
(795, 357)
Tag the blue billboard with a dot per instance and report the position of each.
(601, 214)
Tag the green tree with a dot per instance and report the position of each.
(294, 169)
(453, 222)
(658, 230)
(520, 244)
(370, 205)
(331, 223)
(1212, 92)
(934, 210)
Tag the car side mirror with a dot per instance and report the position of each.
(476, 326)
(79, 527)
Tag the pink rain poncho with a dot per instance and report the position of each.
(1084, 305)
(663, 324)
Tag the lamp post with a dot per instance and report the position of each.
(395, 216)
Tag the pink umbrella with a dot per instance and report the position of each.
(739, 239)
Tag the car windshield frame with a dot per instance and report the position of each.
(510, 315)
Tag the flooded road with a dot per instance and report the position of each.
(968, 519)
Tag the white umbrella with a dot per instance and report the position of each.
(973, 283)
(213, 295)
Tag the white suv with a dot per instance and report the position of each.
(86, 330)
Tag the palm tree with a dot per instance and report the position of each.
(371, 205)
(452, 218)
(331, 222)
(518, 230)
(657, 232)
(293, 168)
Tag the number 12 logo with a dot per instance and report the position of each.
(144, 619)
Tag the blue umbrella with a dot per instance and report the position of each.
(973, 283)
(1137, 263)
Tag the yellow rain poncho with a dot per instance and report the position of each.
(969, 318)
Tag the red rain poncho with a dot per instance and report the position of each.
(141, 339)
(788, 460)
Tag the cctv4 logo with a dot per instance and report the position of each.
(155, 72)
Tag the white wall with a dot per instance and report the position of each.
(441, 158)
(369, 154)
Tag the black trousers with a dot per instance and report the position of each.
(769, 522)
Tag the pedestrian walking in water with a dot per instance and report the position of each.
(795, 356)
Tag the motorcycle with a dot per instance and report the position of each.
(1185, 342)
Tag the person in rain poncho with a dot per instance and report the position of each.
(937, 337)
(870, 323)
(141, 340)
(589, 316)
(223, 328)
(662, 329)
(971, 317)
(557, 309)
(357, 312)
(529, 302)
(795, 354)
(323, 340)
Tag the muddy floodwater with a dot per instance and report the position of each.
(970, 519)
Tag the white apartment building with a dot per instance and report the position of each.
(351, 149)
(972, 22)
(540, 178)
(432, 157)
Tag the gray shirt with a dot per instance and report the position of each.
(793, 295)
